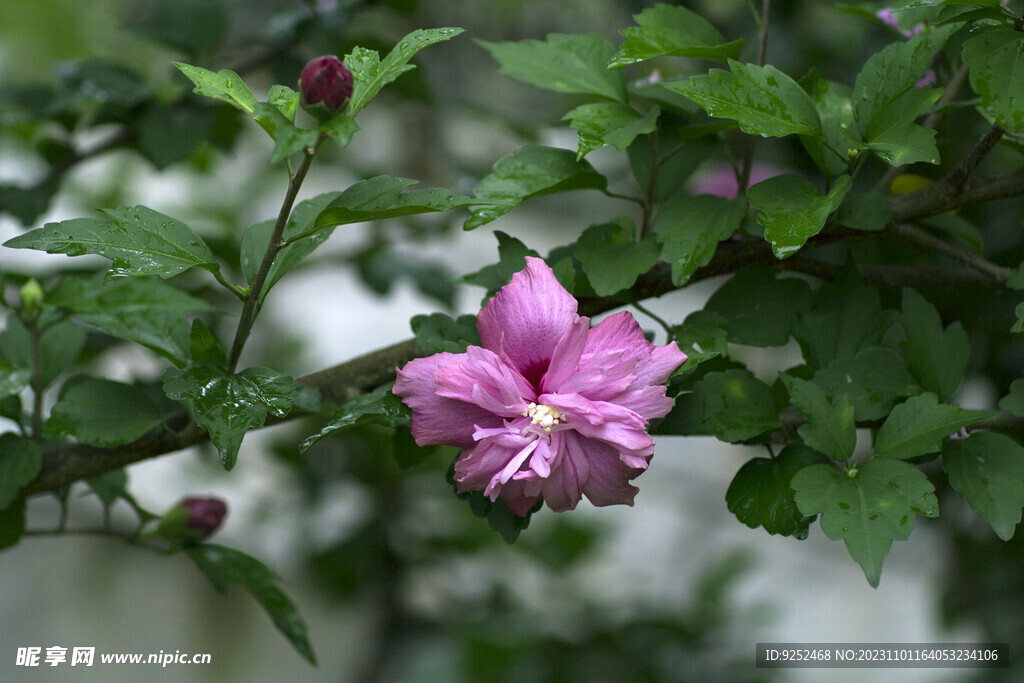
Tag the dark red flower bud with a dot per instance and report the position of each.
(326, 84)
(193, 518)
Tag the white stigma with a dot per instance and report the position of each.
(544, 416)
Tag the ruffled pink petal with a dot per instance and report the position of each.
(620, 427)
(566, 355)
(435, 419)
(476, 467)
(483, 379)
(649, 402)
(527, 318)
(654, 364)
(520, 496)
(601, 376)
(563, 489)
(608, 483)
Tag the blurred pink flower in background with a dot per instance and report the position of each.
(548, 406)
(720, 179)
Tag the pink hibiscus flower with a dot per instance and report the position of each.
(548, 406)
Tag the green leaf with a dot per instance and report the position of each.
(792, 210)
(996, 58)
(141, 310)
(301, 222)
(370, 74)
(196, 27)
(839, 137)
(868, 211)
(12, 379)
(691, 228)
(285, 100)
(893, 71)
(59, 346)
(1016, 281)
(1013, 402)
(110, 486)
(226, 567)
(564, 63)
(439, 333)
(529, 172)
(671, 31)
(21, 459)
(892, 134)
(12, 524)
(223, 85)
(609, 123)
(918, 425)
(1018, 326)
(228, 405)
(735, 406)
(512, 258)
(612, 258)
(204, 346)
(288, 138)
(937, 357)
(846, 317)
(340, 127)
(379, 406)
(988, 470)
(102, 413)
(168, 133)
(869, 510)
(762, 100)
(831, 428)
(139, 240)
(760, 494)
(382, 197)
(875, 380)
(759, 309)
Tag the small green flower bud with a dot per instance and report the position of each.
(31, 297)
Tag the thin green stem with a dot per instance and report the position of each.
(648, 204)
(626, 197)
(251, 308)
(997, 273)
(227, 285)
(130, 539)
(748, 159)
(34, 335)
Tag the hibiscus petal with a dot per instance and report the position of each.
(563, 488)
(566, 355)
(527, 318)
(650, 402)
(480, 377)
(600, 376)
(608, 483)
(435, 419)
(477, 467)
(517, 496)
(654, 364)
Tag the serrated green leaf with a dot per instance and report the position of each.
(1013, 402)
(672, 31)
(439, 333)
(12, 524)
(139, 240)
(225, 567)
(763, 100)
(102, 413)
(141, 310)
(382, 197)
(59, 346)
(301, 222)
(340, 128)
(736, 406)
(691, 228)
(288, 138)
(379, 406)
(564, 63)
(224, 85)
(512, 258)
(285, 100)
(529, 172)
(110, 486)
(892, 134)
(868, 211)
(839, 136)
(760, 494)
(792, 210)
(937, 357)
(875, 380)
(846, 317)
(228, 405)
(831, 428)
(996, 58)
(21, 459)
(204, 346)
(893, 71)
(370, 74)
(918, 425)
(609, 123)
(867, 511)
(759, 309)
(612, 258)
(988, 470)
